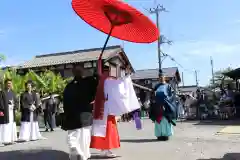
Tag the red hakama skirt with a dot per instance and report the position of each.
(111, 140)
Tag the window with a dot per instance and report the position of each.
(88, 65)
(60, 67)
(94, 64)
(67, 73)
(113, 71)
(122, 72)
(69, 66)
(147, 81)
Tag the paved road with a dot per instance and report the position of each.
(191, 142)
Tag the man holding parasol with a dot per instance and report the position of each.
(77, 98)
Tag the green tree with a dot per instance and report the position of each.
(54, 82)
(2, 57)
(18, 81)
(220, 79)
(45, 82)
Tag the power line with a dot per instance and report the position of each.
(177, 63)
(187, 70)
(156, 11)
(163, 40)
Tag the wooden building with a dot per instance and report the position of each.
(114, 57)
(188, 89)
(149, 77)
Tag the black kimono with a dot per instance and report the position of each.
(6, 99)
(49, 112)
(27, 100)
(77, 99)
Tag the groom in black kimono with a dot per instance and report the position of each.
(77, 103)
(8, 106)
(29, 130)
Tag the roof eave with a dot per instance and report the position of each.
(121, 51)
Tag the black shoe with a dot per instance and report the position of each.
(166, 138)
(159, 138)
(46, 130)
(163, 138)
(52, 130)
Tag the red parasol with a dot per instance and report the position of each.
(119, 20)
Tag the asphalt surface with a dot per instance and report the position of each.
(190, 142)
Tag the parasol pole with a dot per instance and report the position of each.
(109, 34)
(106, 41)
(105, 44)
(99, 64)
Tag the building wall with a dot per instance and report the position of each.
(66, 70)
(151, 83)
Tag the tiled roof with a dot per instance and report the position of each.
(71, 57)
(188, 88)
(153, 73)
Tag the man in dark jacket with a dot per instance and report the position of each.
(8, 106)
(77, 103)
(49, 112)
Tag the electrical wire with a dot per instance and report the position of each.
(177, 63)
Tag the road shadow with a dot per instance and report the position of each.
(95, 157)
(228, 156)
(138, 140)
(37, 154)
(219, 122)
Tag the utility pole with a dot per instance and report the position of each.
(123, 44)
(182, 79)
(196, 77)
(213, 80)
(157, 11)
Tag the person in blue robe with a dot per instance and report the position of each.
(163, 112)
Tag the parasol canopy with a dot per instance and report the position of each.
(117, 19)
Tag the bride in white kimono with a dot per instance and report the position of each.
(118, 97)
(29, 130)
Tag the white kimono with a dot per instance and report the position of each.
(29, 131)
(122, 99)
(8, 131)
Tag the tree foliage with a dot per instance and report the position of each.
(220, 79)
(2, 57)
(44, 83)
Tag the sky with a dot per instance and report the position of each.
(199, 29)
